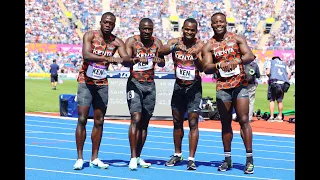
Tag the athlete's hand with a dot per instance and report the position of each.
(114, 60)
(110, 59)
(192, 51)
(143, 59)
(225, 66)
(135, 60)
(180, 47)
(157, 59)
(233, 64)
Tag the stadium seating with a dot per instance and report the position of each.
(65, 21)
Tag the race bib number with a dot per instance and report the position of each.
(185, 73)
(143, 66)
(236, 71)
(96, 71)
(130, 94)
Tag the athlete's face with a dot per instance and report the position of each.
(107, 24)
(189, 30)
(146, 30)
(219, 24)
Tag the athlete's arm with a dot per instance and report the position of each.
(159, 59)
(168, 48)
(86, 49)
(125, 58)
(247, 55)
(207, 59)
(198, 61)
(129, 49)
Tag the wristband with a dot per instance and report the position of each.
(173, 47)
(218, 65)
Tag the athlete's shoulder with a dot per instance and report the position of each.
(199, 41)
(235, 36)
(117, 39)
(130, 39)
(157, 40)
(90, 33)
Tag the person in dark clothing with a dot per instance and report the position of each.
(54, 67)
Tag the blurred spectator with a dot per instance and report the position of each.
(45, 22)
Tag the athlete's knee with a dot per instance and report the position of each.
(226, 120)
(226, 125)
(135, 118)
(82, 120)
(177, 123)
(98, 121)
(144, 132)
(193, 123)
(243, 118)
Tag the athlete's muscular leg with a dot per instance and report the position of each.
(142, 131)
(194, 133)
(242, 110)
(225, 111)
(97, 130)
(81, 134)
(178, 132)
(134, 132)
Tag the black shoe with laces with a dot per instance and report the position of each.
(191, 165)
(249, 169)
(174, 160)
(225, 166)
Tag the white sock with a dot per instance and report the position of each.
(227, 154)
(178, 154)
(190, 158)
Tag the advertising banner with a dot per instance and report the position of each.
(263, 55)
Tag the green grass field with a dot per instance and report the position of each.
(40, 97)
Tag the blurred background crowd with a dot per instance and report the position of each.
(65, 22)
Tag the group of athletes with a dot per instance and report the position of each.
(223, 56)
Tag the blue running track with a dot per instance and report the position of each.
(50, 152)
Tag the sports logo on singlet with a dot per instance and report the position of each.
(96, 71)
(185, 68)
(140, 66)
(225, 51)
(144, 72)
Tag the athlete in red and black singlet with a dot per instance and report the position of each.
(184, 67)
(224, 55)
(143, 72)
(100, 48)
(228, 50)
(187, 90)
(141, 89)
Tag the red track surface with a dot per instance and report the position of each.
(257, 125)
